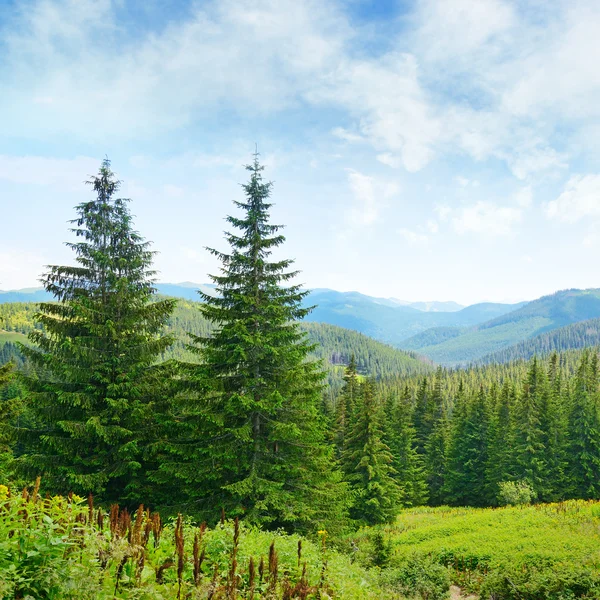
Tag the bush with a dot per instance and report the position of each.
(419, 577)
(562, 582)
(515, 493)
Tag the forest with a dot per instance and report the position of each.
(160, 448)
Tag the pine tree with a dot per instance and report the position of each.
(500, 443)
(400, 436)
(436, 442)
(529, 452)
(367, 463)
(583, 460)
(267, 449)
(346, 405)
(98, 382)
(467, 455)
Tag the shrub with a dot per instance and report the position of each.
(419, 577)
(515, 493)
(562, 582)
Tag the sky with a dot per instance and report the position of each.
(426, 150)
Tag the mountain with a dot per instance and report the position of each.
(25, 295)
(455, 347)
(393, 323)
(186, 290)
(584, 334)
(334, 345)
(385, 319)
(436, 306)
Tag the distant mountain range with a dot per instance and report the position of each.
(444, 332)
(458, 346)
(385, 319)
(392, 322)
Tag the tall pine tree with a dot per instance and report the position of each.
(268, 447)
(98, 382)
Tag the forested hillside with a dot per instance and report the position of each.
(456, 346)
(334, 345)
(584, 334)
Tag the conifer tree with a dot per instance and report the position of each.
(529, 452)
(98, 382)
(435, 444)
(367, 462)
(500, 443)
(467, 456)
(346, 405)
(267, 448)
(583, 462)
(407, 463)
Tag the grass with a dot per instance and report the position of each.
(540, 551)
(12, 336)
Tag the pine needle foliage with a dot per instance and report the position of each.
(268, 444)
(97, 380)
(367, 462)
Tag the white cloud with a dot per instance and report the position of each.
(478, 78)
(523, 197)
(443, 211)
(580, 198)
(389, 159)
(432, 226)
(347, 136)
(462, 181)
(459, 28)
(414, 238)
(370, 197)
(487, 218)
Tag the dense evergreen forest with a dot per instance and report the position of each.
(231, 407)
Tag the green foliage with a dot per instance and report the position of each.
(544, 550)
(420, 577)
(333, 345)
(515, 493)
(260, 446)
(64, 548)
(584, 334)
(367, 462)
(96, 384)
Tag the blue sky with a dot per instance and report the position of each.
(441, 149)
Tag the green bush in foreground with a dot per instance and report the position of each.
(64, 548)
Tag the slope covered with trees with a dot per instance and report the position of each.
(455, 347)
(334, 345)
(585, 334)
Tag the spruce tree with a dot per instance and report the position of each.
(500, 443)
(346, 405)
(367, 463)
(400, 436)
(467, 455)
(583, 459)
(98, 382)
(530, 461)
(435, 444)
(267, 448)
